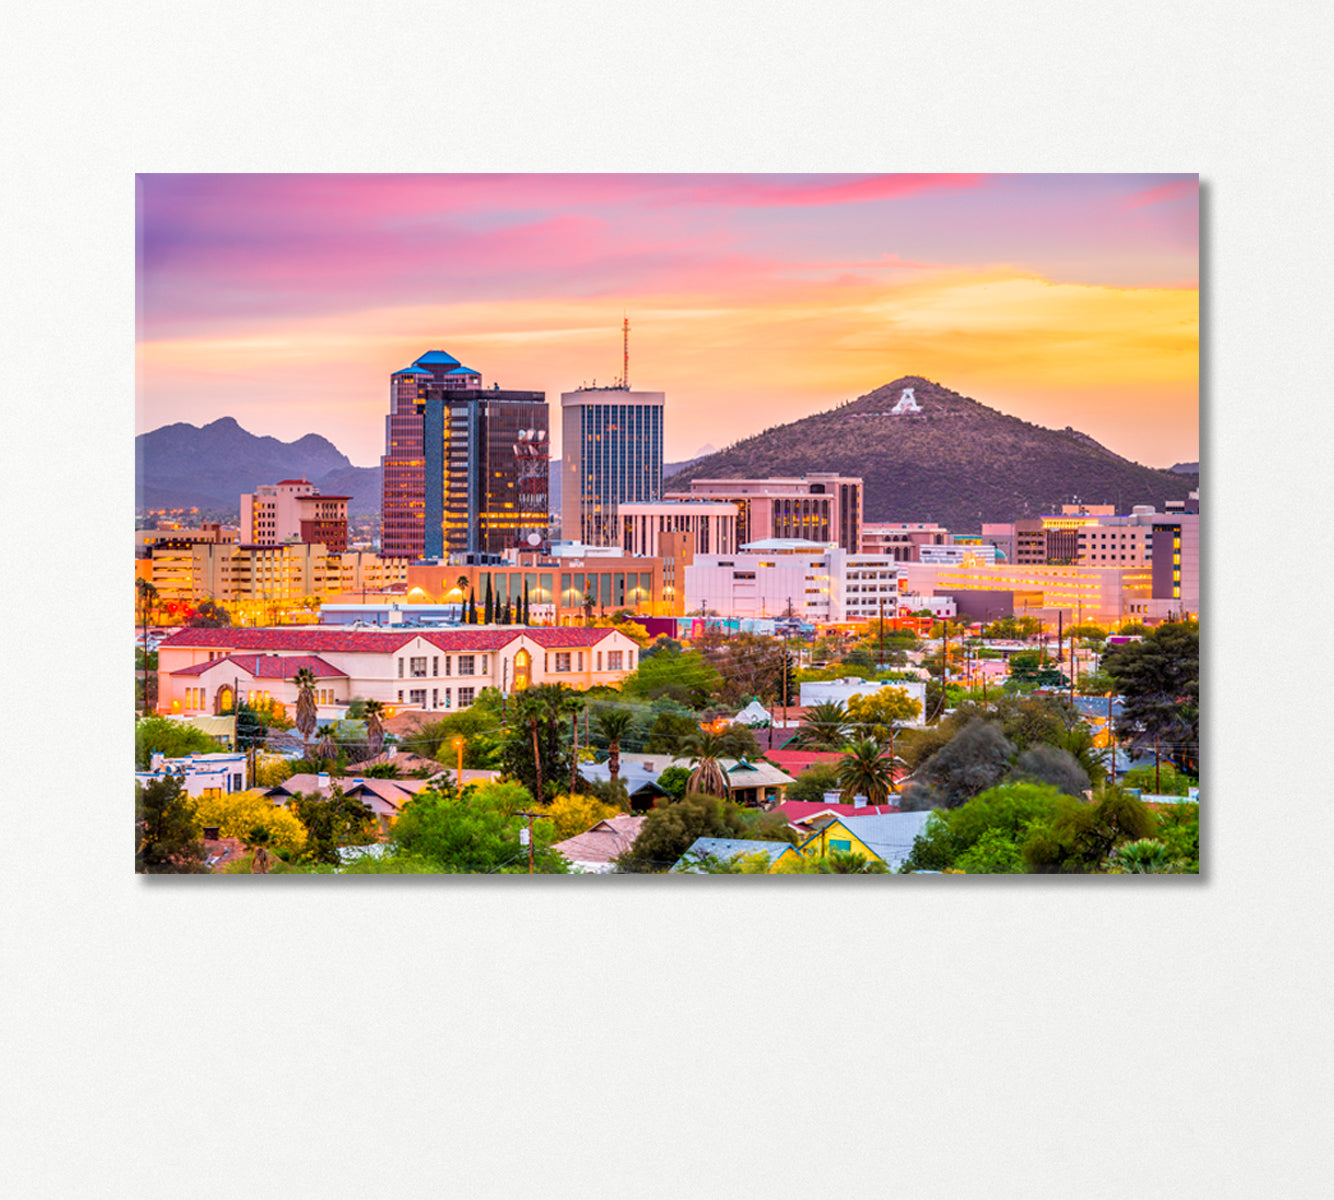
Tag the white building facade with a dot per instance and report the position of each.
(812, 581)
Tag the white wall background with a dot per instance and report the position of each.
(497, 1038)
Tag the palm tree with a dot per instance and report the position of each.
(540, 705)
(305, 704)
(613, 724)
(327, 747)
(824, 727)
(704, 749)
(866, 770)
(148, 600)
(259, 839)
(374, 729)
(575, 705)
(848, 862)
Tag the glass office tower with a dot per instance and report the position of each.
(611, 452)
(457, 474)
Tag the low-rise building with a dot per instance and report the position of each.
(561, 589)
(201, 774)
(207, 670)
(293, 510)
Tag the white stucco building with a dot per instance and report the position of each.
(815, 581)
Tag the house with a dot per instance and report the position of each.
(425, 670)
(641, 782)
(592, 852)
(201, 774)
(887, 837)
(808, 815)
(384, 797)
(726, 849)
(755, 784)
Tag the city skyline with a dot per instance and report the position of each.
(286, 301)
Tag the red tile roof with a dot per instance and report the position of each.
(800, 810)
(270, 666)
(801, 759)
(323, 640)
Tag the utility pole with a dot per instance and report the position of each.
(526, 835)
(882, 632)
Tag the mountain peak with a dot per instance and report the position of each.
(925, 452)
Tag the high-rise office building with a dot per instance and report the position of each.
(612, 453)
(464, 469)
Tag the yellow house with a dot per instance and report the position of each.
(881, 837)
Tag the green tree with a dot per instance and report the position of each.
(685, 676)
(866, 770)
(305, 704)
(992, 854)
(1080, 837)
(675, 781)
(823, 726)
(1158, 680)
(475, 832)
(1177, 826)
(1144, 857)
(534, 752)
(166, 841)
(489, 613)
(331, 823)
(704, 748)
(173, 739)
(1000, 816)
(668, 832)
(813, 782)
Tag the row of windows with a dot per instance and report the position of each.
(416, 666)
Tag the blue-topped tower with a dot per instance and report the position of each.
(454, 480)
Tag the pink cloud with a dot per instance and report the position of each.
(1168, 191)
(759, 191)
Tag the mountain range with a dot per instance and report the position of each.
(186, 466)
(954, 461)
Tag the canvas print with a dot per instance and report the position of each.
(667, 524)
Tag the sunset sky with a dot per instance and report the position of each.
(286, 301)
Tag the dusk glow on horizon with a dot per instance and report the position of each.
(286, 301)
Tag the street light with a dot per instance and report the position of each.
(458, 744)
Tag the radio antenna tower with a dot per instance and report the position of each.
(625, 364)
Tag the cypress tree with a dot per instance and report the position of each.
(527, 616)
(490, 611)
(507, 617)
(472, 610)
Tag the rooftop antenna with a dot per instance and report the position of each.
(625, 362)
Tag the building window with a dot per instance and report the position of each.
(465, 696)
(466, 662)
(562, 660)
(449, 664)
(400, 668)
(614, 659)
(417, 667)
(400, 695)
(435, 664)
(417, 696)
(237, 781)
